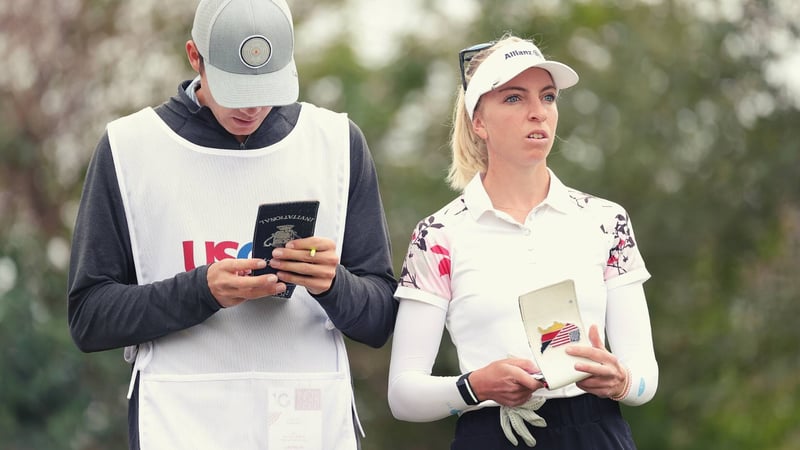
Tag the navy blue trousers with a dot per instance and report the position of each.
(585, 422)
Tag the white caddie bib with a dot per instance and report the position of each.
(270, 373)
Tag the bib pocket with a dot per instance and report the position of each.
(273, 411)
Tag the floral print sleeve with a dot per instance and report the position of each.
(427, 264)
(624, 260)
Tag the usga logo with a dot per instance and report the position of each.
(215, 251)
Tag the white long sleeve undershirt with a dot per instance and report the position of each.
(415, 395)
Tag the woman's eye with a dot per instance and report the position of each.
(550, 98)
(513, 98)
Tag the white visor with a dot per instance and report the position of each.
(508, 61)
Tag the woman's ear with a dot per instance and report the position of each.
(478, 126)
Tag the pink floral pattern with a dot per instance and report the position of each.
(620, 252)
(444, 263)
(618, 255)
(418, 249)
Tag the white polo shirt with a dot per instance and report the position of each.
(473, 262)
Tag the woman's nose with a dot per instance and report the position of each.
(537, 112)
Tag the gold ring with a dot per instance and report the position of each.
(312, 252)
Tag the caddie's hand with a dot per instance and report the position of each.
(608, 375)
(231, 284)
(310, 262)
(506, 381)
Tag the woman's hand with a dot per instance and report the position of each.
(608, 377)
(507, 381)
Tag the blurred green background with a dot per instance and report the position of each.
(687, 113)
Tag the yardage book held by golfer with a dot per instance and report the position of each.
(552, 320)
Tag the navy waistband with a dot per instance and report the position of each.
(558, 412)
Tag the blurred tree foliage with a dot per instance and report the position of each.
(683, 115)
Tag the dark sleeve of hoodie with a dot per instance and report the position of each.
(361, 301)
(107, 309)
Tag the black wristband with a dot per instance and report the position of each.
(465, 390)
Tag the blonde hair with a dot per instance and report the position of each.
(469, 150)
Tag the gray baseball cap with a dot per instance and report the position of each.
(248, 51)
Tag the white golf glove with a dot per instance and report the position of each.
(513, 418)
